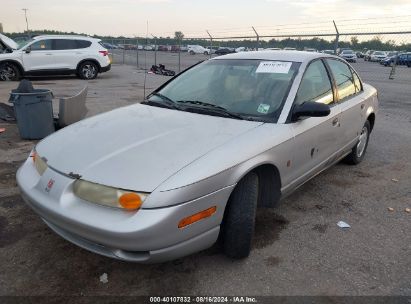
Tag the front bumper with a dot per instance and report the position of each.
(146, 236)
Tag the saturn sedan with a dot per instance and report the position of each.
(189, 166)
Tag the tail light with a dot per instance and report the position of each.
(105, 53)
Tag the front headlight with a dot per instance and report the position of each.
(39, 163)
(108, 196)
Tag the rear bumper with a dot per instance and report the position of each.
(105, 69)
(146, 236)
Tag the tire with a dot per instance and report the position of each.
(206, 53)
(9, 72)
(358, 151)
(191, 52)
(87, 70)
(239, 218)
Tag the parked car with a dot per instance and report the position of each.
(367, 55)
(198, 49)
(163, 48)
(359, 54)
(241, 49)
(404, 59)
(221, 138)
(388, 61)
(377, 56)
(55, 55)
(289, 49)
(329, 52)
(348, 55)
(224, 51)
(310, 49)
(273, 49)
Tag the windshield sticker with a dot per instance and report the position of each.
(277, 67)
(263, 108)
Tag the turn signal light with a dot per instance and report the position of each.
(197, 217)
(130, 201)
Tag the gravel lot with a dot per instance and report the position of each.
(298, 248)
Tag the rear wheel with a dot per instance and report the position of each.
(358, 152)
(205, 53)
(239, 219)
(9, 72)
(87, 70)
(191, 52)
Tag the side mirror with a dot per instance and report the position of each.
(28, 50)
(310, 109)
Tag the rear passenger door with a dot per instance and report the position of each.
(68, 52)
(352, 100)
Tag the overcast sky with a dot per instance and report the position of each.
(193, 17)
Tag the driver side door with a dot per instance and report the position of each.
(316, 139)
(40, 56)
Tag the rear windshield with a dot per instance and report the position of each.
(253, 88)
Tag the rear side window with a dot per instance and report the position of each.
(315, 85)
(42, 45)
(343, 77)
(64, 44)
(82, 44)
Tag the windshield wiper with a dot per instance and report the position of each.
(166, 102)
(163, 97)
(211, 108)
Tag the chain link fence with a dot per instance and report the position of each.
(391, 58)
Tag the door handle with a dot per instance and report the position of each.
(49, 54)
(336, 122)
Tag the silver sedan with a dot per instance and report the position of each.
(189, 166)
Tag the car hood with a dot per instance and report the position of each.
(137, 147)
(10, 43)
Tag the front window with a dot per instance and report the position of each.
(41, 45)
(315, 85)
(253, 89)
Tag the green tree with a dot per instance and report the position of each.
(178, 35)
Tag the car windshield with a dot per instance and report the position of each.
(23, 43)
(347, 52)
(378, 53)
(253, 89)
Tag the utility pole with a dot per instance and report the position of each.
(258, 38)
(337, 37)
(155, 49)
(27, 23)
(211, 42)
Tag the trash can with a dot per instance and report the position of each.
(34, 112)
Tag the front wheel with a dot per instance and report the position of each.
(206, 53)
(9, 72)
(239, 219)
(358, 152)
(87, 70)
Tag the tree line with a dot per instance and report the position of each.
(374, 43)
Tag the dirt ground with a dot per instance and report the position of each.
(298, 247)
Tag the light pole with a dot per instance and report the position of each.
(27, 23)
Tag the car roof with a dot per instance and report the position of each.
(296, 56)
(66, 37)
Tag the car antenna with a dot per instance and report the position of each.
(145, 64)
